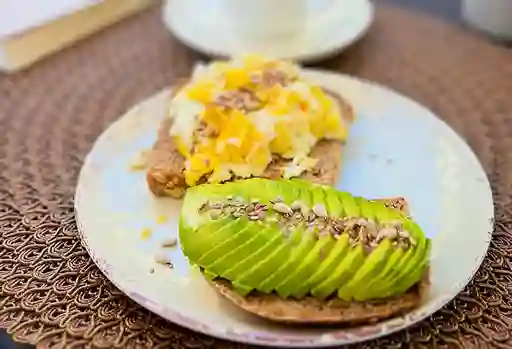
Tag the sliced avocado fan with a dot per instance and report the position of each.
(300, 239)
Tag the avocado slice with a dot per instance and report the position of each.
(302, 241)
(406, 267)
(235, 236)
(333, 203)
(391, 279)
(342, 273)
(306, 268)
(381, 288)
(373, 288)
(205, 237)
(253, 277)
(263, 255)
(327, 266)
(368, 210)
(370, 270)
(349, 204)
(316, 196)
(285, 190)
(415, 276)
(260, 237)
(190, 217)
(239, 285)
(383, 214)
(273, 240)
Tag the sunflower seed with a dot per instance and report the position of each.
(404, 234)
(362, 222)
(352, 233)
(282, 208)
(254, 218)
(350, 223)
(304, 210)
(237, 214)
(320, 210)
(371, 228)
(215, 214)
(338, 226)
(262, 207)
(362, 235)
(386, 233)
(403, 244)
(297, 205)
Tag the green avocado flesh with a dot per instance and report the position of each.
(299, 239)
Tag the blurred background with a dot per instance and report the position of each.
(28, 35)
(31, 31)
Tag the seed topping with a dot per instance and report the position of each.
(282, 208)
(315, 220)
(320, 210)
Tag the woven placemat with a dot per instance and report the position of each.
(51, 292)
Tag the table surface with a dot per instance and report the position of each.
(446, 9)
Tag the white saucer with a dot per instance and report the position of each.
(323, 36)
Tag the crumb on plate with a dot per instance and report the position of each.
(146, 233)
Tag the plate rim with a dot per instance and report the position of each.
(306, 58)
(341, 337)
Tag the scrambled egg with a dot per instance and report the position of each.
(232, 117)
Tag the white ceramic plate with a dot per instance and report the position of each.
(323, 35)
(396, 148)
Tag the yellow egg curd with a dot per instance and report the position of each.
(233, 116)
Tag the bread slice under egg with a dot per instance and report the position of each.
(165, 164)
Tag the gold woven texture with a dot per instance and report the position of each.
(51, 292)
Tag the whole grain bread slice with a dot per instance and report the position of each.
(311, 310)
(165, 164)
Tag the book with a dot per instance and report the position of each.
(27, 36)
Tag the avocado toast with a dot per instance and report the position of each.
(259, 119)
(296, 252)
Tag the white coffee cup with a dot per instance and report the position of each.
(260, 18)
(491, 16)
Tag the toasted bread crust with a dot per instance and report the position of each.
(165, 177)
(334, 311)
